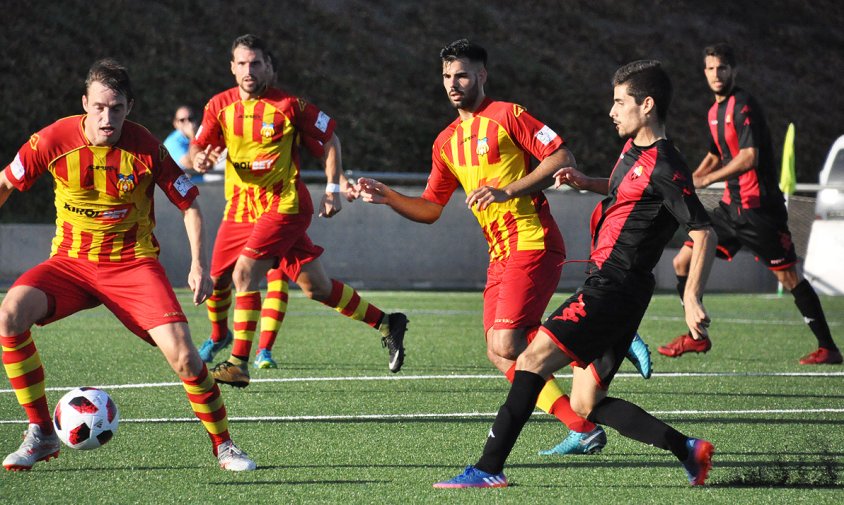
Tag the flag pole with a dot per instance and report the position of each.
(788, 176)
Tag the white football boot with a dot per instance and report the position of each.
(35, 447)
(233, 459)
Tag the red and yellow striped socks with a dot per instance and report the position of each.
(208, 406)
(346, 300)
(218, 312)
(274, 308)
(247, 312)
(26, 375)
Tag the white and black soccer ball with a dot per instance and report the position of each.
(85, 418)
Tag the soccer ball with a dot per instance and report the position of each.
(85, 418)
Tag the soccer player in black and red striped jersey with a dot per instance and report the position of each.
(649, 194)
(752, 212)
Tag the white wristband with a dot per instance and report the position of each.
(332, 188)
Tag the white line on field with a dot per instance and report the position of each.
(446, 415)
(460, 377)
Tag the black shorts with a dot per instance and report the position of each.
(763, 231)
(595, 326)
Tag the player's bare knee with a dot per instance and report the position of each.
(12, 321)
(529, 361)
(680, 263)
(314, 290)
(242, 280)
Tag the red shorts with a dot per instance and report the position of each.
(136, 291)
(519, 288)
(280, 236)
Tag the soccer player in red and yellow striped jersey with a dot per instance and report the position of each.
(487, 151)
(105, 171)
(260, 127)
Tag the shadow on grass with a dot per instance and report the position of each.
(300, 482)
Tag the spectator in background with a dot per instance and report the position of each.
(178, 142)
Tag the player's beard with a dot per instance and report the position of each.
(470, 97)
(727, 87)
(259, 86)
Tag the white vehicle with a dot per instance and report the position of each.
(830, 201)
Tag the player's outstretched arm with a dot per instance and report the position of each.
(573, 177)
(414, 208)
(703, 254)
(198, 278)
(540, 178)
(333, 164)
(6, 187)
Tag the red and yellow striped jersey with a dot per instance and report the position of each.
(262, 136)
(104, 195)
(494, 148)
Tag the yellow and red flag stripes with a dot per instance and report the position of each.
(274, 308)
(218, 312)
(346, 300)
(26, 375)
(207, 405)
(247, 312)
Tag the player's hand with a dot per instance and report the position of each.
(699, 181)
(206, 159)
(200, 283)
(696, 318)
(349, 189)
(371, 191)
(330, 205)
(485, 196)
(570, 176)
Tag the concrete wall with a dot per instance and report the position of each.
(371, 247)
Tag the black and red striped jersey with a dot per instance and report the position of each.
(650, 194)
(735, 123)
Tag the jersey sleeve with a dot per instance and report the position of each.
(210, 131)
(442, 182)
(313, 123)
(173, 181)
(713, 148)
(674, 184)
(531, 134)
(747, 129)
(31, 161)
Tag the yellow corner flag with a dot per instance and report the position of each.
(788, 178)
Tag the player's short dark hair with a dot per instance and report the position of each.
(463, 49)
(250, 41)
(646, 78)
(112, 75)
(723, 51)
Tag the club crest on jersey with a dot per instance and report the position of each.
(33, 141)
(728, 118)
(517, 109)
(162, 152)
(125, 183)
(302, 104)
(636, 172)
(267, 129)
(483, 146)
